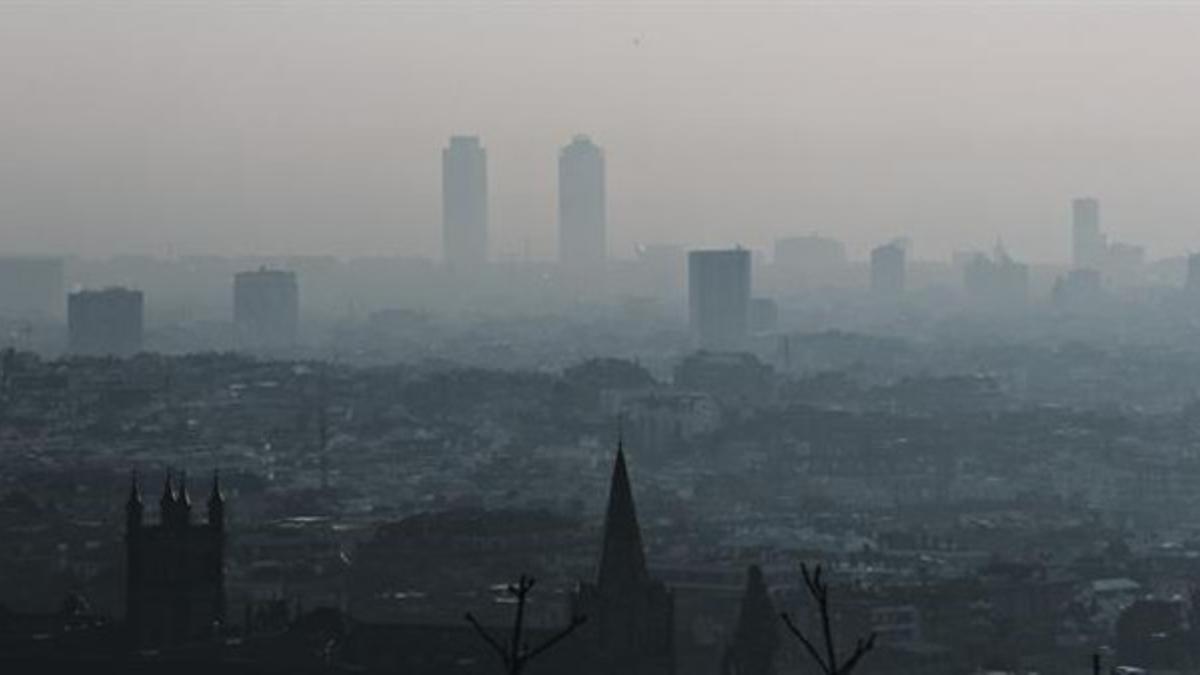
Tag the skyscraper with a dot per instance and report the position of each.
(719, 297)
(464, 203)
(1088, 243)
(266, 308)
(888, 270)
(105, 323)
(582, 219)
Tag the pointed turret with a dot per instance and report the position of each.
(133, 505)
(216, 502)
(166, 503)
(622, 558)
(756, 637)
(183, 501)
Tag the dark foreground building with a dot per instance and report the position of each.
(631, 617)
(175, 573)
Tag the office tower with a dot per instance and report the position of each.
(887, 270)
(31, 287)
(175, 569)
(630, 615)
(105, 323)
(266, 308)
(582, 221)
(1089, 245)
(464, 204)
(719, 297)
(808, 261)
(1192, 285)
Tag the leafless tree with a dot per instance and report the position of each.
(829, 662)
(517, 653)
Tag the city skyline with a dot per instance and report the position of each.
(195, 139)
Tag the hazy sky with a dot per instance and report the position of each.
(220, 126)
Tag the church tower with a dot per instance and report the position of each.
(630, 626)
(175, 569)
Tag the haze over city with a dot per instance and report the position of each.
(602, 338)
(311, 127)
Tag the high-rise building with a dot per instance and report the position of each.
(1088, 244)
(630, 615)
(175, 569)
(107, 322)
(582, 219)
(266, 308)
(719, 297)
(464, 203)
(888, 270)
(31, 287)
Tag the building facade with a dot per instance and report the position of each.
(719, 298)
(107, 322)
(464, 204)
(888, 270)
(582, 215)
(174, 569)
(266, 308)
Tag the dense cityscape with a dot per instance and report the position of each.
(994, 463)
(604, 338)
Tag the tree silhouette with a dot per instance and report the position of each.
(517, 654)
(829, 663)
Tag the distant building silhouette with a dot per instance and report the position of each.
(266, 308)
(1089, 245)
(996, 283)
(464, 203)
(888, 270)
(582, 218)
(719, 297)
(108, 322)
(630, 627)
(175, 570)
(31, 287)
(755, 643)
(1192, 283)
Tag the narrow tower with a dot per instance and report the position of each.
(631, 616)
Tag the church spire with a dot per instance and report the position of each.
(756, 637)
(216, 502)
(622, 559)
(166, 503)
(133, 505)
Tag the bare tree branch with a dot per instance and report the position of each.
(487, 637)
(518, 654)
(812, 650)
(818, 590)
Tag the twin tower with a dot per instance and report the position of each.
(175, 573)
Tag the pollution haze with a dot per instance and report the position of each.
(229, 127)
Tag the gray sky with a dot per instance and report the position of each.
(301, 127)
